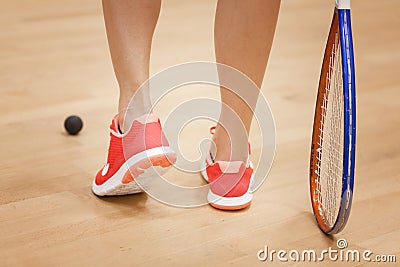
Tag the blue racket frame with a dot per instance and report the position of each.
(341, 24)
(349, 144)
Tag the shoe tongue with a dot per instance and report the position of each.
(230, 166)
(114, 126)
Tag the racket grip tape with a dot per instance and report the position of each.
(343, 4)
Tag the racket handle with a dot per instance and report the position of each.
(343, 4)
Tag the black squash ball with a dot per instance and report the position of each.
(73, 124)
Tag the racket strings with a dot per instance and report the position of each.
(330, 151)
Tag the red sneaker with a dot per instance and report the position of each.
(133, 154)
(230, 183)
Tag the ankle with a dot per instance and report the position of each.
(226, 156)
(126, 118)
(224, 150)
(231, 146)
(130, 109)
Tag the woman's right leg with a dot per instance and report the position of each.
(130, 26)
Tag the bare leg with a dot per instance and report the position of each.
(244, 31)
(130, 26)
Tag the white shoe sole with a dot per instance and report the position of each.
(115, 186)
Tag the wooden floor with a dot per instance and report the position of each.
(54, 62)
